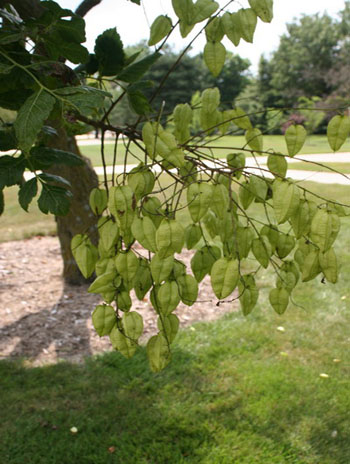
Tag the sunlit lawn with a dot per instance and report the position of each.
(223, 146)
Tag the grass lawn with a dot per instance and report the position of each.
(340, 167)
(313, 144)
(16, 224)
(238, 391)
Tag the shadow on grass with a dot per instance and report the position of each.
(196, 411)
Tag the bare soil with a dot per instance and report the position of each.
(44, 321)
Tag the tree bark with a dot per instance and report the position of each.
(83, 179)
(80, 218)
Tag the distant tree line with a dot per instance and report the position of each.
(310, 70)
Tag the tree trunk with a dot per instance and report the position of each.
(83, 179)
(80, 218)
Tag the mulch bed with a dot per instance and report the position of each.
(45, 321)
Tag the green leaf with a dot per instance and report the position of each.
(224, 277)
(27, 192)
(138, 102)
(135, 71)
(160, 28)
(337, 131)
(158, 353)
(247, 18)
(295, 138)
(53, 178)
(8, 139)
(54, 200)
(214, 57)
(74, 52)
(279, 299)
(84, 99)
(11, 170)
(263, 8)
(109, 53)
(44, 157)
(104, 319)
(31, 117)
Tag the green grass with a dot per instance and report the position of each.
(238, 391)
(16, 224)
(314, 144)
(340, 167)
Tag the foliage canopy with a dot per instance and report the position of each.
(178, 195)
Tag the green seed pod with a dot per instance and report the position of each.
(279, 299)
(170, 238)
(168, 297)
(98, 200)
(224, 277)
(103, 319)
(160, 28)
(168, 326)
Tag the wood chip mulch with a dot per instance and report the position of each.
(44, 321)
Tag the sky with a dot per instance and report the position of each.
(133, 22)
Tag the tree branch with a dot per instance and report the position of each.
(86, 6)
(25, 8)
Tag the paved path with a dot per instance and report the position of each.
(314, 176)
